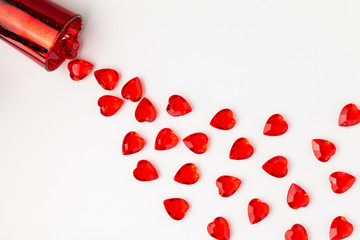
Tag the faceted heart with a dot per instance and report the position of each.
(341, 182)
(241, 149)
(196, 142)
(257, 210)
(219, 229)
(79, 69)
(178, 106)
(145, 111)
(227, 185)
(276, 167)
(145, 171)
(297, 197)
(132, 143)
(132, 90)
(107, 78)
(176, 208)
(275, 126)
(70, 46)
(166, 139)
(187, 174)
(109, 105)
(349, 116)
(297, 232)
(223, 120)
(340, 228)
(323, 149)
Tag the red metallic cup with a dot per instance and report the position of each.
(41, 29)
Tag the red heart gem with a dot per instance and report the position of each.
(145, 171)
(257, 210)
(145, 111)
(341, 182)
(297, 197)
(297, 232)
(219, 229)
(70, 47)
(323, 149)
(223, 120)
(187, 174)
(276, 166)
(275, 126)
(107, 78)
(178, 106)
(166, 139)
(132, 143)
(349, 116)
(132, 90)
(241, 149)
(79, 69)
(227, 185)
(340, 228)
(196, 142)
(176, 208)
(109, 105)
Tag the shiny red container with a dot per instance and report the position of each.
(41, 29)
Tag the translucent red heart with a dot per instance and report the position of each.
(275, 126)
(341, 182)
(297, 232)
(297, 197)
(176, 208)
(323, 149)
(241, 149)
(349, 116)
(145, 111)
(223, 120)
(132, 90)
(109, 105)
(257, 210)
(276, 167)
(227, 185)
(187, 174)
(178, 106)
(166, 139)
(79, 69)
(196, 142)
(219, 229)
(107, 78)
(340, 228)
(145, 171)
(132, 143)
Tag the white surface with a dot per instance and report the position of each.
(62, 174)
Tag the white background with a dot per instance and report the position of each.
(62, 174)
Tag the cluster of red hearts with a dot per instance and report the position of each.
(241, 149)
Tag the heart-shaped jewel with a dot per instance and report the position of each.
(176, 208)
(187, 174)
(166, 139)
(109, 105)
(219, 229)
(132, 90)
(196, 142)
(107, 78)
(227, 185)
(257, 210)
(323, 149)
(340, 228)
(275, 126)
(341, 182)
(145, 171)
(276, 167)
(145, 111)
(296, 232)
(132, 143)
(241, 149)
(223, 120)
(79, 69)
(297, 197)
(349, 116)
(178, 106)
